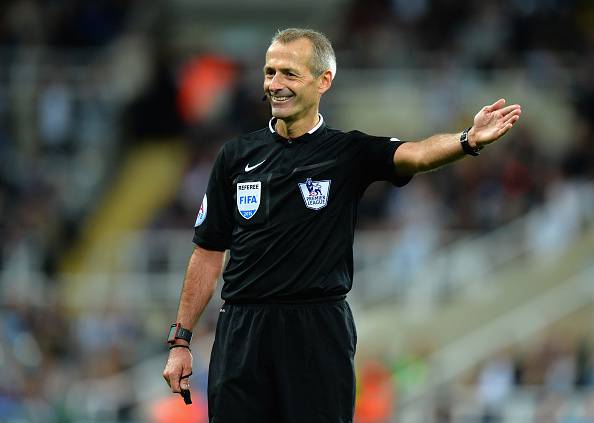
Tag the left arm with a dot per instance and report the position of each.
(490, 124)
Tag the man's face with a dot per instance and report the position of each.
(292, 88)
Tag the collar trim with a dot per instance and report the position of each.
(311, 131)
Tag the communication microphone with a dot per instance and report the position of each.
(264, 97)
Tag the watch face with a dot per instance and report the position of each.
(172, 333)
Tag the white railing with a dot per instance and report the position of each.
(517, 405)
(462, 267)
(514, 326)
(149, 265)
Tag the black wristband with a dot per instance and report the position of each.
(176, 331)
(180, 346)
(472, 151)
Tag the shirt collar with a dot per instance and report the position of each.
(272, 122)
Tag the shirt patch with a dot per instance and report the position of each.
(202, 212)
(315, 193)
(248, 198)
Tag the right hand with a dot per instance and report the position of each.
(178, 364)
(492, 122)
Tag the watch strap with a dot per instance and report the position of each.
(184, 334)
(176, 331)
(472, 151)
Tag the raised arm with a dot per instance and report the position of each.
(204, 269)
(490, 124)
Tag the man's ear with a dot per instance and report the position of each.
(325, 82)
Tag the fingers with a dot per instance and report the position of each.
(496, 106)
(504, 130)
(510, 109)
(175, 384)
(179, 383)
(184, 383)
(178, 369)
(508, 124)
(166, 376)
(174, 378)
(495, 120)
(512, 117)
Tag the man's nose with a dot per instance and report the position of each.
(276, 83)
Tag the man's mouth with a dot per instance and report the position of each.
(279, 98)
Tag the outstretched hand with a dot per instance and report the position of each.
(492, 122)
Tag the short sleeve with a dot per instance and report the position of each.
(214, 223)
(378, 159)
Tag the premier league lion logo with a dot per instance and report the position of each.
(314, 189)
(315, 193)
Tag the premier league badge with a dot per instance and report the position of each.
(202, 212)
(248, 198)
(315, 193)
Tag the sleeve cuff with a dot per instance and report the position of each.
(208, 245)
(396, 179)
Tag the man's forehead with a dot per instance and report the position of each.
(298, 50)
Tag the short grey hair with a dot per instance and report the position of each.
(323, 57)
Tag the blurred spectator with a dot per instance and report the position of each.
(204, 88)
(154, 113)
(173, 410)
(375, 397)
(421, 218)
(411, 372)
(495, 384)
(55, 109)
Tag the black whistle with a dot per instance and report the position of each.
(185, 393)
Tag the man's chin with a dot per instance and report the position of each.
(280, 113)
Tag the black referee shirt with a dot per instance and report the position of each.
(287, 208)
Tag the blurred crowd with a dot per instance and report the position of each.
(49, 361)
(555, 376)
(58, 118)
(79, 85)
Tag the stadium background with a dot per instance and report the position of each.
(475, 284)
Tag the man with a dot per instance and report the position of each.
(284, 201)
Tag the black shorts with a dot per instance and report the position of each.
(283, 363)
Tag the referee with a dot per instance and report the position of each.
(283, 200)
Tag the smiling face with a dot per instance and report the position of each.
(293, 90)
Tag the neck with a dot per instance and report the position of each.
(296, 128)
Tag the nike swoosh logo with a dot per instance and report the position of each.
(248, 167)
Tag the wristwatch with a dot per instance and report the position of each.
(177, 332)
(473, 151)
